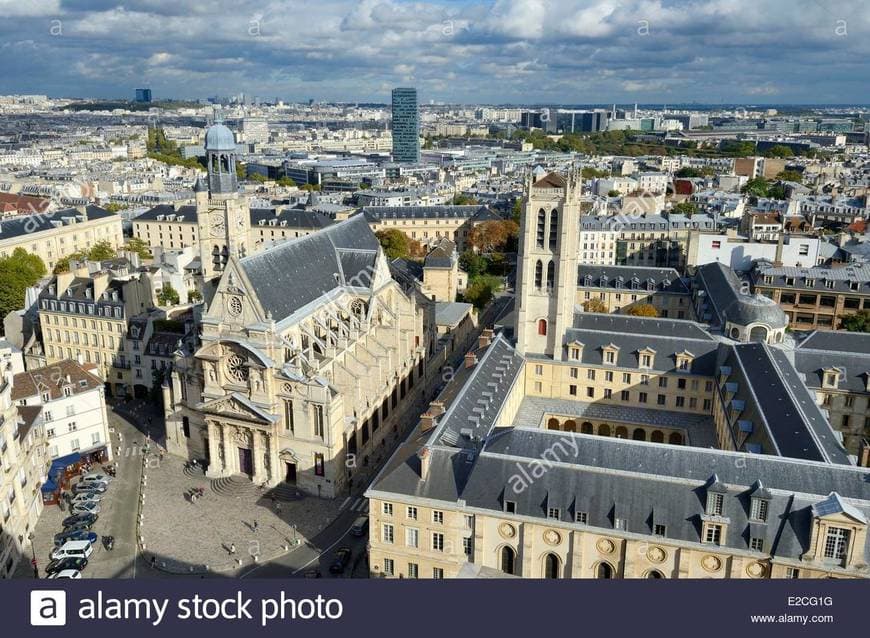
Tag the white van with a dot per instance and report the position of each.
(72, 549)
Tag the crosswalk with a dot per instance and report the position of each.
(355, 505)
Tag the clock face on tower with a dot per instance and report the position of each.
(218, 226)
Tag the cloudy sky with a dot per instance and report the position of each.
(519, 51)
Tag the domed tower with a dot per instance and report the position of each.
(220, 151)
(223, 217)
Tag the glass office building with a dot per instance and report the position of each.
(406, 126)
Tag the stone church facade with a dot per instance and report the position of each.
(309, 352)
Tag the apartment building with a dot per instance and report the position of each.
(621, 288)
(428, 224)
(73, 408)
(23, 464)
(86, 318)
(815, 298)
(59, 234)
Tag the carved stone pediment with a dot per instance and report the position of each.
(235, 407)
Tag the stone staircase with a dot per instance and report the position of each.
(240, 486)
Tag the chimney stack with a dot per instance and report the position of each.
(424, 454)
(485, 338)
(470, 359)
(864, 453)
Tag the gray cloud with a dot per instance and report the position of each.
(522, 51)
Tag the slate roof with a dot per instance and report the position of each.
(774, 398)
(550, 180)
(818, 278)
(183, 214)
(289, 217)
(663, 279)
(450, 313)
(644, 484)
(632, 334)
(294, 273)
(725, 302)
(31, 224)
(847, 351)
(474, 410)
(379, 213)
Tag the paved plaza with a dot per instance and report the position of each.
(198, 535)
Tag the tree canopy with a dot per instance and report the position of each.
(643, 310)
(594, 305)
(859, 322)
(168, 296)
(138, 246)
(494, 235)
(18, 272)
(397, 245)
(685, 208)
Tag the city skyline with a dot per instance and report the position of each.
(526, 52)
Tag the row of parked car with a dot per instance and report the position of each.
(74, 545)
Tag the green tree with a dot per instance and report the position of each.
(194, 295)
(286, 181)
(114, 207)
(688, 171)
(790, 176)
(138, 246)
(101, 251)
(395, 243)
(472, 263)
(685, 208)
(859, 322)
(168, 296)
(241, 171)
(493, 235)
(779, 151)
(481, 291)
(18, 272)
(311, 187)
(756, 187)
(517, 210)
(464, 200)
(589, 172)
(613, 193)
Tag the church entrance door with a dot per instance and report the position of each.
(246, 461)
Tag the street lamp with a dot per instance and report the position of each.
(33, 554)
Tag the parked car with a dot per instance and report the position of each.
(77, 535)
(62, 564)
(67, 573)
(85, 507)
(79, 518)
(87, 496)
(84, 526)
(360, 526)
(342, 558)
(72, 549)
(96, 477)
(90, 486)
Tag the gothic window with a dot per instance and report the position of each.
(237, 369)
(551, 276)
(542, 327)
(542, 216)
(539, 274)
(554, 228)
(508, 558)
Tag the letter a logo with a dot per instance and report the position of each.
(48, 608)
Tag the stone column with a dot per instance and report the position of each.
(231, 455)
(258, 450)
(215, 465)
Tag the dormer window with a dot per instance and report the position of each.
(831, 378)
(609, 354)
(811, 283)
(715, 503)
(684, 361)
(836, 543)
(758, 510)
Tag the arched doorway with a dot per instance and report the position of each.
(140, 391)
(552, 566)
(570, 426)
(507, 560)
(604, 570)
(758, 334)
(603, 430)
(657, 437)
(587, 428)
(553, 424)
(654, 573)
(675, 438)
(639, 434)
(621, 432)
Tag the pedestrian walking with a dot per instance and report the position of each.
(278, 508)
(256, 526)
(232, 548)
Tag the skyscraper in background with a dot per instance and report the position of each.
(143, 95)
(406, 126)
